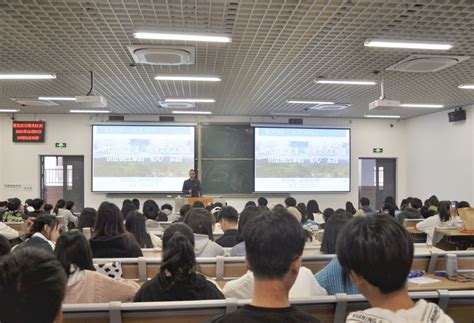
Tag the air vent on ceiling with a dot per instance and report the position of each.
(34, 102)
(426, 63)
(162, 55)
(177, 105)
(330, 107)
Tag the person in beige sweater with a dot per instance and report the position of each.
(85, 285)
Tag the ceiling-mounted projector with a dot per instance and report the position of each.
(384, 105)
(91, 101)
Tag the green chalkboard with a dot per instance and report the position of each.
(227, 141)
(227, 159)
(227, 176)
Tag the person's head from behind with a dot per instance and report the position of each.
(183, 210)
(60, 204)
(274, 243)
(327, 213)
(5, 246)
(228, 218)
(87, 218)
(364, 202)
(48, 208)
(249, 203)
(389, 200)
(350, 208)
(127, 207)
(135, 224)
(167, 209)
(301, 207)
(14, 204)
(150, 209)
(47, 225)
(247, 214)
(179, 259)
(201, 221)
(416, 203)
(32, 287)
(332, 228)
(295, 212)
(290, 201)
(73, 252)
(37, 204)
(70, 206)
(198, 204)
(261, 201)
(136, 203)
(434, 200)
(312, 208)
(109, 221)
(444, 211)
(377, 253)
(462, 205)
(388, 208)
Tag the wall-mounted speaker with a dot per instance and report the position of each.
(116, 118)
(166, 119)
(295, 121)
(457, 115)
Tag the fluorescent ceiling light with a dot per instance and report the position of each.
(203, 78)
(308, 101)
(191, 112)
(9, 110)
(56, 98)
(27, 76)
(466, 86)
(349, 82)
(415, 105)
(89, 111)
(406, 44)
(193, 100)
(179, 36)
(381, 116)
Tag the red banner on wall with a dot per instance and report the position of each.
(28, 131)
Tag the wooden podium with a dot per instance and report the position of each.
(204, 200)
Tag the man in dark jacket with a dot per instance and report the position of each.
(228, 218)
(412, 211)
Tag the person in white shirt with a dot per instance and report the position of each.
(444, 218)
(8, 232)
(61, 211)
(377, 253)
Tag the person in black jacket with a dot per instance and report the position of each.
(43, 234)
(177, 279)
(228, 218)
(110, 239)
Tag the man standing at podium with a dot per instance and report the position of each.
(192, 186)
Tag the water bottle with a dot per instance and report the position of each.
(451, 265)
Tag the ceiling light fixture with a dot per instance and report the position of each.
(185, 37)
(416, 105)
(56, 98)
(408, 44)
(193, 100)
(8, 110)
(308, 101)
(347, 82)
(381, 116)
(191, 112)
(203, 78)
(467, 86)
(27, 76)
(89, 111)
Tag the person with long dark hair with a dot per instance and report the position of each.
(85, 285)
(135, 224)
(350, 208)
(43, 233)
(202, 223)
(127, 207)
(331, 230)
(442, 219)
(87, 218)
(313, 212)
(177, 279)
(110, 239)
(61, 211)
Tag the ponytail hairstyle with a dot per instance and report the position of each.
(179, 259)
(40, 221)
(72, 248)
(60, 204)
(443, 211)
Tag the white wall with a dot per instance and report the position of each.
(440, 157)
(19, 162)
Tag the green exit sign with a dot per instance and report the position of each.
(378, 150)
(60, 145)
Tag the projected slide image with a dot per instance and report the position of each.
(141, 158)
(295, 159)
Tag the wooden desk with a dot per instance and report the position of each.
(455, 238)
(453, 232)
(444, 284)
(417, 236)
(413, 230)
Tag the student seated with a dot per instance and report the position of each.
(7, 232)
(274, 243)
(377, 253)
(411, 211)
(135, 224)
(87, 218)
(364, 208)
(350, 208)
(248, 213)
(444, 218)
(261, 201)
(44, 233)
(85, 285)
(110, 239)
(61, 211)
(290, 201)
(313, 212)
(127, 206)
(177, 279)
(5, 246)
(14, 212)
(202, 224)
(37, 205)
(331, 230)
(228, 218)
(32, 284)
